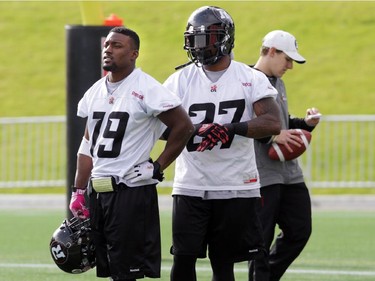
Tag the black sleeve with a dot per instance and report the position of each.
(299, 123)
(264, 140)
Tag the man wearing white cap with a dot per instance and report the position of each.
(285, 197)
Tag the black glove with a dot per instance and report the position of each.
(157, 174)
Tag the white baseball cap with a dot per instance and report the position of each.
(283, 41)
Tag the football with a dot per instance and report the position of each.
(280, 153)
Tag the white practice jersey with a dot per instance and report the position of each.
(229, 100)
(123, 127)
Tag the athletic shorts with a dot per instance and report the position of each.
(126, 232)
(229, 228)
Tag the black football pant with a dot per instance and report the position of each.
(289, 207)
(183, 269)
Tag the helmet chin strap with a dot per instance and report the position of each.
(183, 65)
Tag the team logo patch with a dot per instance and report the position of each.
(59, 253)
(213, 89)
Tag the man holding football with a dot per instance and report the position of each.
(285, 197)
(216, 182)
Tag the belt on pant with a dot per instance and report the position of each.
(106, 184)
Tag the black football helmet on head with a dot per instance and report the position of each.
(71, 247)
(209, 35)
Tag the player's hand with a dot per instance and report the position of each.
(287, 137)
(145, 171)
(212, 133)
(312, 117)
(207, 144)
(78, 205)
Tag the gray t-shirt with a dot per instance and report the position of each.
(272, 171)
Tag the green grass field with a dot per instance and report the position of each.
(340, 249)
(334, 36)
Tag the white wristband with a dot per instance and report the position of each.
(84, 148)
(79, 191)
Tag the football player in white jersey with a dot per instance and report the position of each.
(216, 180)
(126, 111)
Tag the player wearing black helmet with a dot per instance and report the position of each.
(216, 180)
(209, 35)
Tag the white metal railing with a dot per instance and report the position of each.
(33, 151)
(341, 154)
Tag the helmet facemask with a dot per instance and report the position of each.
(209, 36)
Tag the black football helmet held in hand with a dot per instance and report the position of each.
(71, 248)
(209, 35)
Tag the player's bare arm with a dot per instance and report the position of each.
(267, 122)
(181, 128)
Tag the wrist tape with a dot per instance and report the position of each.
(238, 128)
